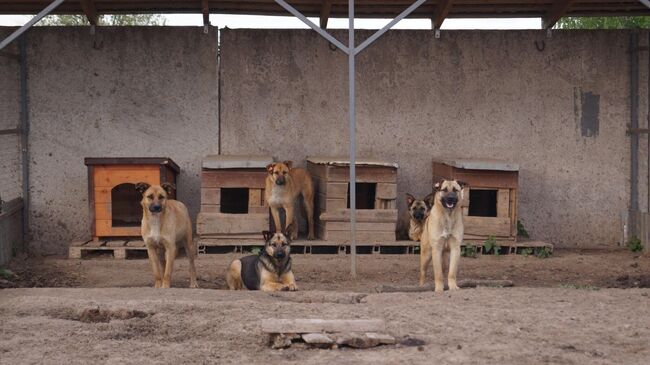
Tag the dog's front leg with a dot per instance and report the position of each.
(437, 246)
(275, 212)
(454, 257)
(425, 258)
(291, 218)
(290, 281)
(156, 266)
(170, 256)
(272, 286)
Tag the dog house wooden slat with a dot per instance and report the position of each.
(232, 198)
(377, 221)
(110, 173)
(493, 176)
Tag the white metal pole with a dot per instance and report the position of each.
(353, 123)
(31, 22)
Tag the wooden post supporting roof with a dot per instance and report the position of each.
(440, 13)
(325, 10)
(205, 9)
(557, 11)
(90, 10)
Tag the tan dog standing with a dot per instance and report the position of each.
(165, 223)
(443, 230)
(283, 186)
(411, 223)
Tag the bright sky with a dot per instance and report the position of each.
(284, 22)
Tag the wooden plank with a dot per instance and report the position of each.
(492, 179)
(317, 171)
(105, 176)
(234, 236)
(258, 210)
(322, 325)
(255, 198)
(332, 189)
(94, 243)
(135, 243)
(361, 226)
(105, 229)
(513, 212)
(116, 243)
(487, 226)
(220, 223)
(102, 195)
(465, 200)
(210, 208)
(233, 179)
(385, 204)
(79, 243)
(386, 191)
(361, 236)
(503, 203)
(365, 174)
(210, 196)
(365, 215)
(103, 211)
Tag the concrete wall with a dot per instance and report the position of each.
(125, 92)
(10, 168)
(489, 94)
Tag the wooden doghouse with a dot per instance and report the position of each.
(114, 203)
(490, 202)
(232, 199)
(376, 193)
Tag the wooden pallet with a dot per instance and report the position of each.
(119, 247)
(302, 246)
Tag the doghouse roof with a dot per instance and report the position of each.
(88, 161)
(345, 161)
(218, 162)
(479, 164)
(437, 10)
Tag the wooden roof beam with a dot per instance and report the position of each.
(325, 10)
(90, 10)
(205, 9)
(557, 11)
(440, 13)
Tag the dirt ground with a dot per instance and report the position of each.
(571, 308)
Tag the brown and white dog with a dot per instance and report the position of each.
(165, 223)
(443, 231)
(412, 221)
(283, 186)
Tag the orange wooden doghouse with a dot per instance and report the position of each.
(114, 203)
(490, 202)
(376, 186)
(232, 199)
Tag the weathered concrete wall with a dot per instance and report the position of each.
(10, 173)
(147, 91)
(486, 94)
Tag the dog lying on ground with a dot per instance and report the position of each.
(412, 221)
(268, 271)
(443, 230)
(283, 186)
(165, 223)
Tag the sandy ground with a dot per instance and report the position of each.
(567, 309)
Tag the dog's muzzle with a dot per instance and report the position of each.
(155, 208)
(280, 180)
(450, 201)
(279, 254)
(419, 215)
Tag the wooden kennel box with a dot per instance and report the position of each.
(490, 202)
(232, 198)
(376, 185)
(113, 202)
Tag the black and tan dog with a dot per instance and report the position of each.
(283, 186)
(165, 223)
(412, 220)
(268, 271)
(443, 230)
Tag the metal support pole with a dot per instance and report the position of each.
(31, 22)
(24, 135)
(648, 127)
(634, 123)
(353, 145)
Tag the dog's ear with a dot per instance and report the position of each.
(169, 188)
(438, 185)
(429, 200)
(141, 187)
(289, 164)
(270, 167)
(462, 184)
(267, 235)
(409, 199)
(289, 231)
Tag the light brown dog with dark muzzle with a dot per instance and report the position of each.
(443, 231)
(165, 223)
(283, 186)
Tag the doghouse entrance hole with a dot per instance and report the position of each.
(125, 206)
(365, 195)
(483, 203)
(234, 200)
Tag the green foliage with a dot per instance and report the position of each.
(469, 251)
(634, 244)
(527, 251)
(106, 20)
(490, 246)
(521, 231)
(542, 252)
(6, 274)
(256, 250)
(623, 22)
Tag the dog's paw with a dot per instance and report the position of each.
(439, 288)
(453, 287)
(194, 285)
(293, 287)
(285, 288)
